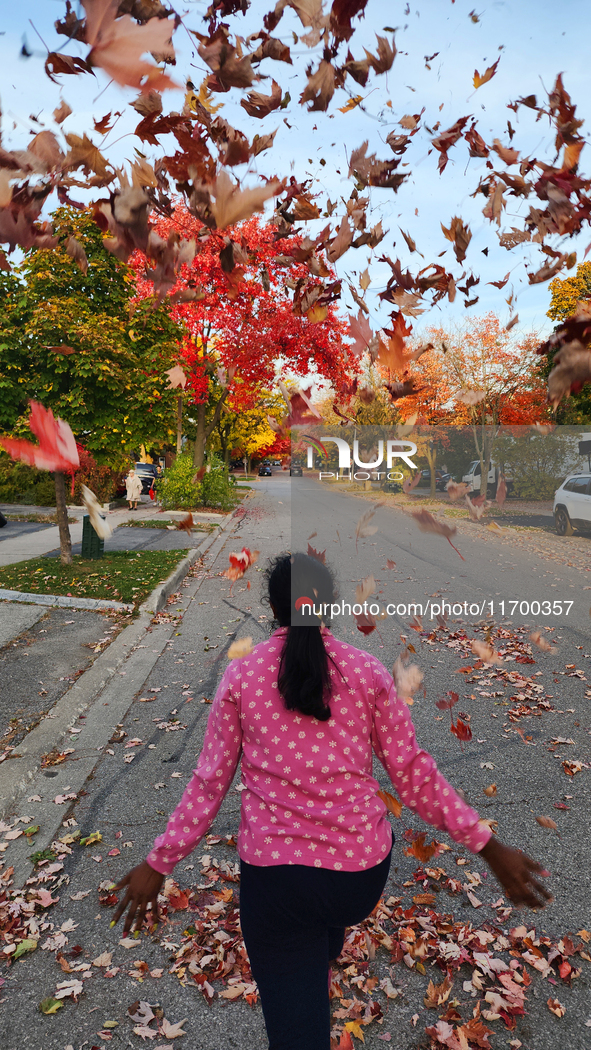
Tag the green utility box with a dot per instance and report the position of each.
(92, 545)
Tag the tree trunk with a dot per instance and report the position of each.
(200, 437)
(62, 519)
(204, 432)
(179, 425)
(431, 454)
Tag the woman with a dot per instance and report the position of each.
(304, 711)
(133, 487)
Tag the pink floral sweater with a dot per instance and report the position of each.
(309, 796)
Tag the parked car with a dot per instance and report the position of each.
(472, 477)
(442, 481)
(147, 473)
(391, 486)
(265, 471)
(295, 470)
(572, 504)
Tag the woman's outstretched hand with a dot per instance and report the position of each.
(143, 886)
(516, 874)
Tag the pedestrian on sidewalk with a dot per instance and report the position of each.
(133, 488)
(303, 711)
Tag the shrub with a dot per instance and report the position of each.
(176, 489)
(219, 489)
(20, 483)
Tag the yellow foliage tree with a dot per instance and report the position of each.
(568, 292)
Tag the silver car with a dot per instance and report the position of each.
(572, 504)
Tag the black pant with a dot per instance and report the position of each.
(293, 920)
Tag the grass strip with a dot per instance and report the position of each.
(125, 576)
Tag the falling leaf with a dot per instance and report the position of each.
(363, 528)
(427, 523)
(240, 648)
(100, 525)
(319, 555)
(117, 45)
(547, 822)
(461, 730)
(232, 204)
(486, 76)
(537, 638)
(176, 377)
(485, 652)
(56, 450)
(407, 679)
(393, 804)
(259, 105)
(351, 104)
(61, 112)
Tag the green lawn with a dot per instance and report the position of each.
(161, 523)
(125, 576)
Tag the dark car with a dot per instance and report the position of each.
(295, 470)
(147, 473)
(265, 471)
(442, 481)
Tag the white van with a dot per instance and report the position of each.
(472, 477)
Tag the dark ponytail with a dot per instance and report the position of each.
(304, 679)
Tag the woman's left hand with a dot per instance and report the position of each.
(143, 886)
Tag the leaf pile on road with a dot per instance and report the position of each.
(479, 986)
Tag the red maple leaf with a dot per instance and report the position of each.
(57, 446)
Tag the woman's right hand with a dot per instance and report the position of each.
(515, 871)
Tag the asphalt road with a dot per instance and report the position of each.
(124, 797)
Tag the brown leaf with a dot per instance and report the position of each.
(233, 204)
(148, 103)
(83, 153)
(339, 245)
(61, 112)
(320, 87)
(77, 253)
(305, 209)
(459, 235)
(56, 63)
(319, 555)
(46, 147)
(360, 332)
(547, 822)
(538, 639)
(259, 105)
(485, 652)
(491, 790)
(556, 1007)
(117, 45)
(363, 528)
(571, 370)
(509, 156)
(437, 993)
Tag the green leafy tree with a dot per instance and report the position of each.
(76, 340)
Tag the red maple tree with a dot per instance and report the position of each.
(242, 323)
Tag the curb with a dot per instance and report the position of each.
(157, 599)
(63, 601)
(153, 603)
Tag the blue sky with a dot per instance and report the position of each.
(535, 40)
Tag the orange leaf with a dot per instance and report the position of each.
(392, 803)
